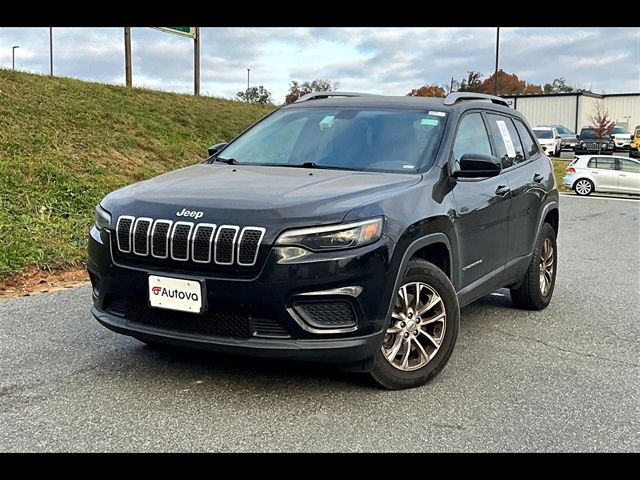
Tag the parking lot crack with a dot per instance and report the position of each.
(567, 350)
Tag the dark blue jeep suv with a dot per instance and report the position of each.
(344, 228)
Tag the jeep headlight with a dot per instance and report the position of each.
(103, 218)
(334, 237)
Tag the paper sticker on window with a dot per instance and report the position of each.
(326, 122)
(433, 122)
(437, 114)
(506, 138)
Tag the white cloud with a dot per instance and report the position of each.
(380, 60)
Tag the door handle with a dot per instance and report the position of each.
(502, 190)
(538, 178)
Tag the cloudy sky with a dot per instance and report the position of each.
(376, 60)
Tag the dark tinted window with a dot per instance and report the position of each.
(619, 130)
(629, 166)
(472, 137)
(602, 162)
(394, 140)
(588, 133)
(543, 133)
(529, 144)
(506, 140)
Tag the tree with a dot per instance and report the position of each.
(472, 83)
(257, 94)
(508, 84)
(600, 120)
(558, 85)
(297, 90)
(427, 91)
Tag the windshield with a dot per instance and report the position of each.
(588, 133)
(346, 138)
(543, 133)
(564, 131)
(619, 130)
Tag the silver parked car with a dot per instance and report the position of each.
(596, 173)
(568, 139)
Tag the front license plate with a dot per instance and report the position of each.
(175, 294)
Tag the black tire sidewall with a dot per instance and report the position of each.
(390, 377)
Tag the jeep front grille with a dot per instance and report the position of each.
(187, 241)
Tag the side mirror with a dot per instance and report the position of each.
(214, 149)
(577, 137)
(475, 165)
(558, 137)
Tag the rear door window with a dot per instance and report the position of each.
(528, 143)
(506, 140)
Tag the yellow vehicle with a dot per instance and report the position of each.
(635, 143)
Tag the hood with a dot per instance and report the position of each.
(255, 195)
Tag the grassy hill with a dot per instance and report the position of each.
(65, 143)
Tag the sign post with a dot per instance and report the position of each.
(192, 32)
(127, 56)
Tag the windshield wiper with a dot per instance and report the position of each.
(228, 161)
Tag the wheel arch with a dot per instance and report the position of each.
(430, 244)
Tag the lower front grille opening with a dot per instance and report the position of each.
(268, 328)
(327, 314)
(221, 323)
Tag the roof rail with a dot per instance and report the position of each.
(458, 96)
(315, 95)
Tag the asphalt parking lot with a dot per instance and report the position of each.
(564, 379)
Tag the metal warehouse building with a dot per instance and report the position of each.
(574, 110)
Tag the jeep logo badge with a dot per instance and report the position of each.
(190, 213)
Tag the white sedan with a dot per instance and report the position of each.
(598, 173)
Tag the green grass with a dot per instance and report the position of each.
(559, 167)
(66, 143)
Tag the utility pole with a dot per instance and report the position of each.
(248, 70)
(196, 62)
(127, 56)
(51, 51)
(497, 52)
(13, 56)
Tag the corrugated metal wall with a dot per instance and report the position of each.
(546, 110)
(586, 109)
(624, 109)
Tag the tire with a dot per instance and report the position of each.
(531, 295)
(556, 152)
(583, 187)
(437, 337)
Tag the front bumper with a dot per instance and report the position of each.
(273, 294)
(548, 148)
(624, 144)
(345, 351)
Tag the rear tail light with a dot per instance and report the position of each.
(571, 170)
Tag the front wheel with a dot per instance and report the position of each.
(538, 283)
(422, 330)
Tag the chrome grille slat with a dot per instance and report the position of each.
(141, 229)
(123, 233)
(224, 247)
(203, 243)
(180, 237)
(249, 245)
(160, 238)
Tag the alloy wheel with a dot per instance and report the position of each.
(583, 187)
(416, 334)
(547, 264)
